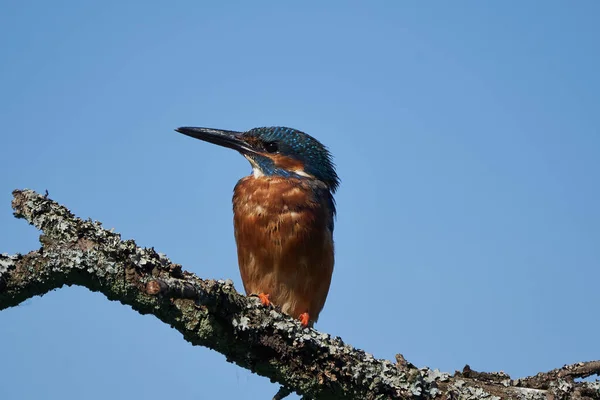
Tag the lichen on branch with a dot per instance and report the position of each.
(213, 314)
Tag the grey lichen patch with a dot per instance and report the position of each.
(561, 387)
(43, 213)
(240, 324)
(228, 283)
(462, 391)
(592, 385)
(434, 375)
(531, 394)
(8, 261)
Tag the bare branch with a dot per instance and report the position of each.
(544, 380)
(213, 314)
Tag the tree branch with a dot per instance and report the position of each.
(543, 380)
(213, 314)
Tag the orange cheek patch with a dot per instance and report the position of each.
(287, 163)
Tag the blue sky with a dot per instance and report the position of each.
(466, 135)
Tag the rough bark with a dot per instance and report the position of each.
(211, 313)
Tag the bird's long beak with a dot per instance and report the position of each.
(230, 139)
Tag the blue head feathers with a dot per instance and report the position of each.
(282, 146)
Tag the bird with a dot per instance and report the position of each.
(283, 215)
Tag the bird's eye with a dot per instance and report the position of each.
(271, 147)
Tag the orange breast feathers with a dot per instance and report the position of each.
(284, 243)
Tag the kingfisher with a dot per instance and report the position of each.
(283, 216)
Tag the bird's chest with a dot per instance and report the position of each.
(277, 215)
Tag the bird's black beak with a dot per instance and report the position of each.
(231, 139)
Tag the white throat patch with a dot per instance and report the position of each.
(256, 172)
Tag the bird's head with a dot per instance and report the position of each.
(275, 151)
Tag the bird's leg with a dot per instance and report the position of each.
(304, 319)
(264, 299)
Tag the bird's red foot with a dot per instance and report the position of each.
(304, 318)
(264, 299)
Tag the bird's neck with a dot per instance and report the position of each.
(277, 167)
(258, 172)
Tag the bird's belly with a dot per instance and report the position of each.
(294, 271)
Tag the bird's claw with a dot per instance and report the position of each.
(304, 319)
(264, 299)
